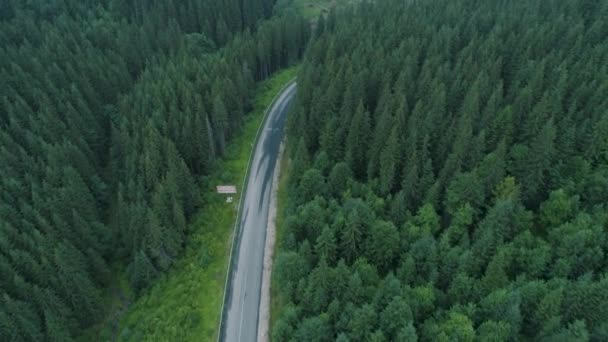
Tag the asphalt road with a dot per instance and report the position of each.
(243, 298)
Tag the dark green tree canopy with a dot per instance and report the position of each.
(463, 148)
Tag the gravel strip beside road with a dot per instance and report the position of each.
(264, 316)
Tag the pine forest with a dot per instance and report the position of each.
(445, 175)
(110, 112)
(449, 175)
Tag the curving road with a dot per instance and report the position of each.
(240, 320)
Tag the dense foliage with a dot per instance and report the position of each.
(449, 175)
(110, 113)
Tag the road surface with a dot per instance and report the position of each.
(240, 321)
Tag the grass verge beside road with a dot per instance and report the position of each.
(185, 303)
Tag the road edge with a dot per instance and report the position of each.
(264, 307)
(235, 230)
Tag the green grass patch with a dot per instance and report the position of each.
(184, 304)
(276, 301)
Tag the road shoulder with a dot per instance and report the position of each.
(264, 314)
